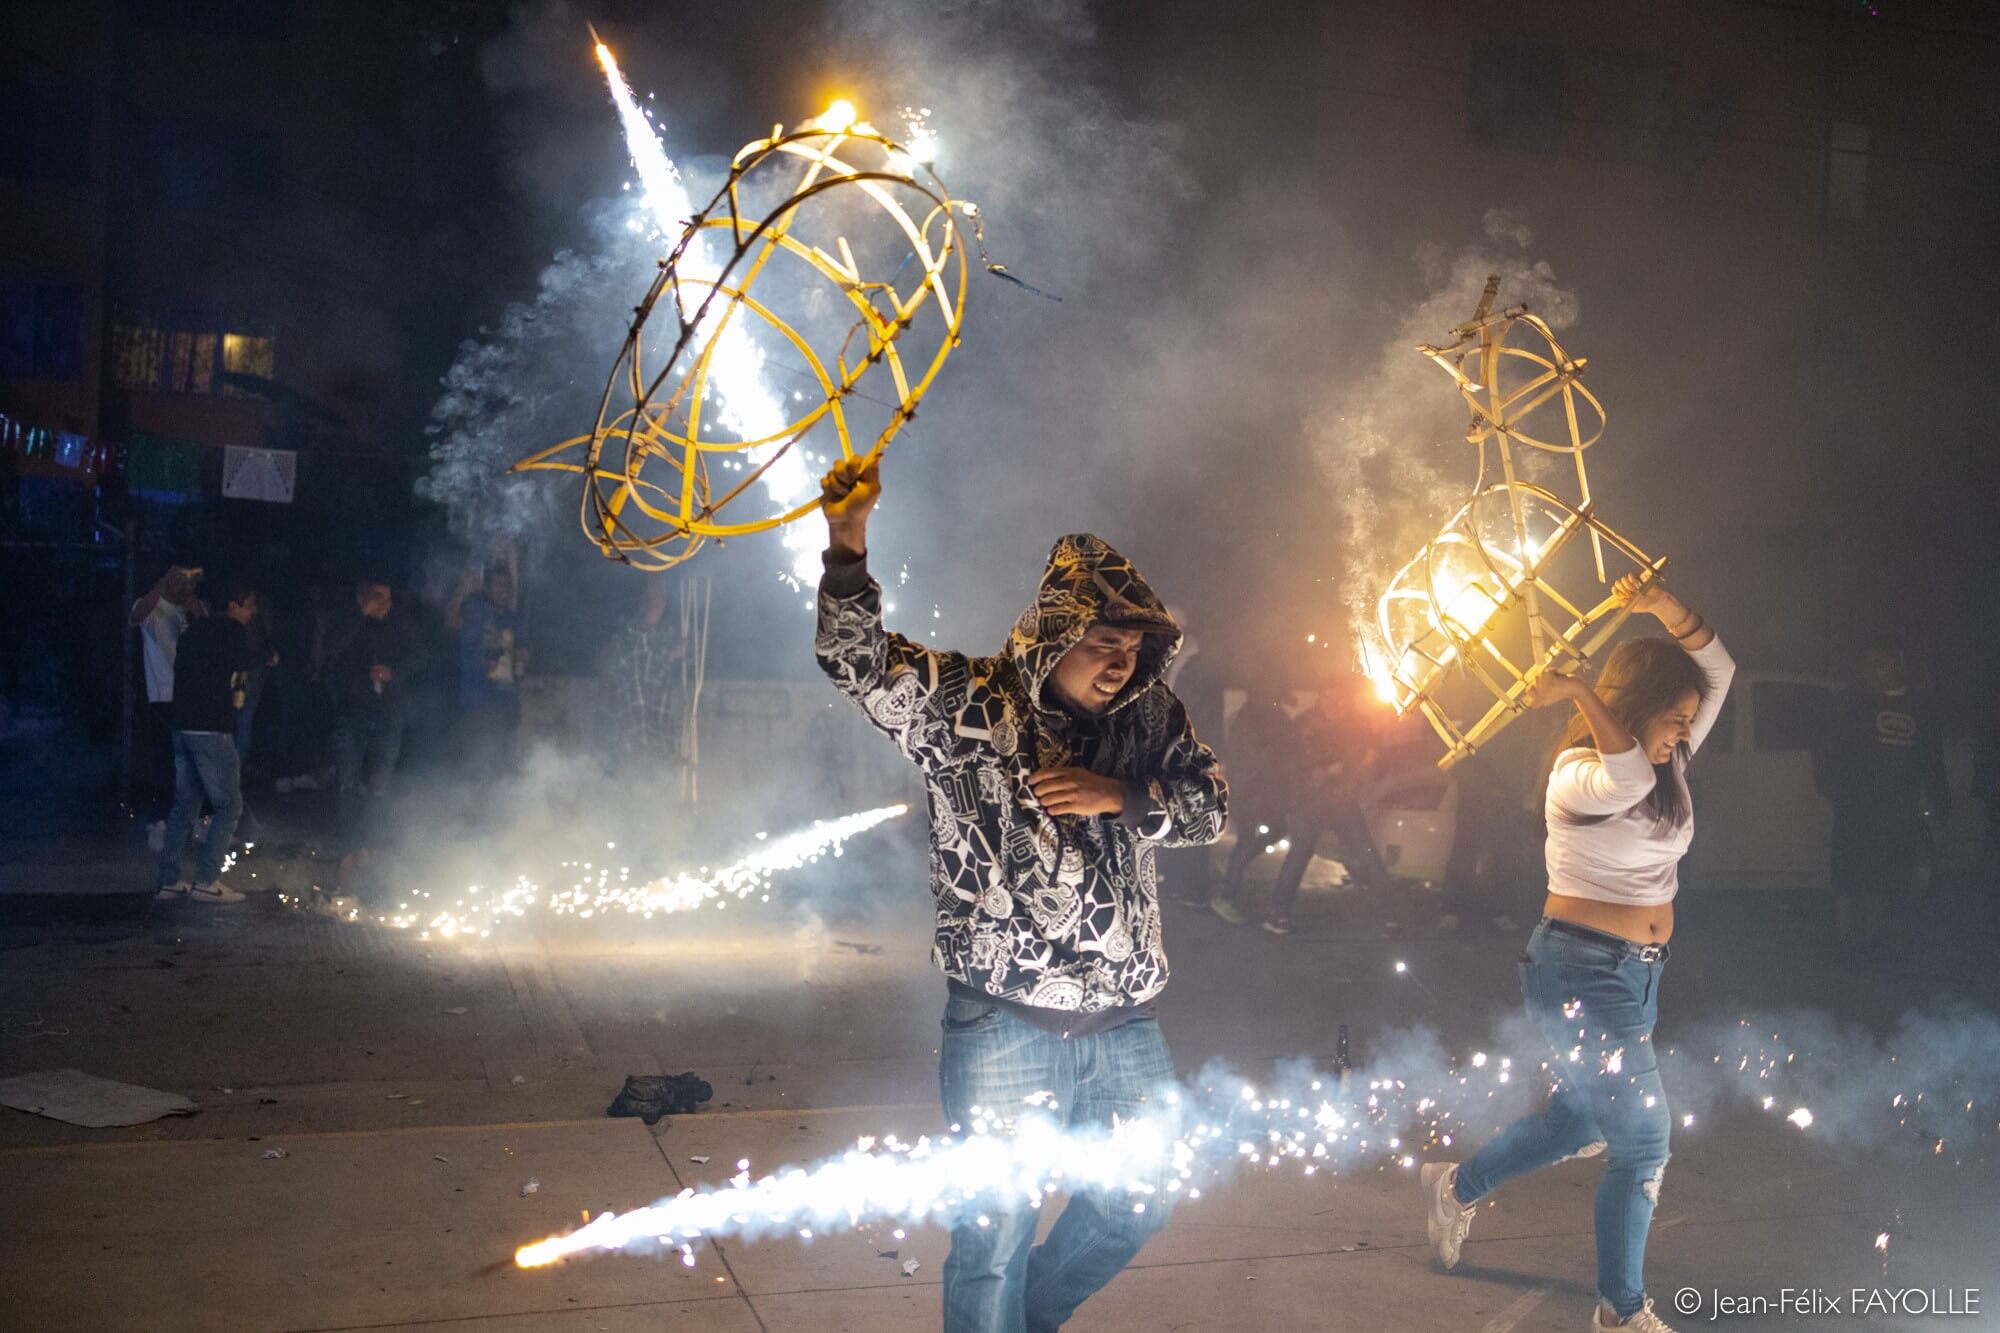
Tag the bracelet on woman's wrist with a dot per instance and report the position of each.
(1700, 624)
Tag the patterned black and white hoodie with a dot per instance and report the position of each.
(1055, 912)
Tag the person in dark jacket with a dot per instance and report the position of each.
(1056, 770)
(1267, 769)
(1881, 764)
(211, 661)
(1324, 767)
(370, 659)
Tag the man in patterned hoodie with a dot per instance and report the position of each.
(1056, 769)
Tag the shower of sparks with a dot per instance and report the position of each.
(1389, 1120)
(605, 890)
(919, 139)
(1024, 1157)
(887, 1179)
(1403, 970)
(748, 408)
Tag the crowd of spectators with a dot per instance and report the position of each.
(362, 682)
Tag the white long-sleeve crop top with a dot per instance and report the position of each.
(1624, 856)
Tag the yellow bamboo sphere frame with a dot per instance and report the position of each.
(1439, 618)
(641, 522)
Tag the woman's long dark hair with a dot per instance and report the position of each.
(1641, 680)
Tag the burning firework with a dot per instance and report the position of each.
(1440, 619)
(1414, 1103)
(796, 198)
(1010, 1155)
(604, 890)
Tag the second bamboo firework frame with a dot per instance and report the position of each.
(1446, 618)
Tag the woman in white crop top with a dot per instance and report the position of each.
(1620, 819)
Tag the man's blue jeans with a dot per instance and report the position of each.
(365, 751)
(1595, 1001)
(204, 765)
(995, 1280)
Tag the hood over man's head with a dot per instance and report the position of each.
(1097, 636)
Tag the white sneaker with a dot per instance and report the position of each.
(1643, 1322)
(172, 893)
(1447, 1219)
(215, 891)
(1592, 1149)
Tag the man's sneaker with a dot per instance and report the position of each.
(172, 893)
(1448, 1220)
(1275, 926)
(215, 891)
(1228, 910)
(1643, 1322)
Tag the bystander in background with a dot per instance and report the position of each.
(1881, 764)
(371, 656)
(161, 616)
(1320, 766)
(211, 660)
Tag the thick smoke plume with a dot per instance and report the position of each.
(1393, 446)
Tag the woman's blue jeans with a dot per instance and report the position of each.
(1594, 1000)
(995, 1281)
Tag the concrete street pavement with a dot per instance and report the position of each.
(410, 1127)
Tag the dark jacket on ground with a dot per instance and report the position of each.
(1057, 913)
(210, 664)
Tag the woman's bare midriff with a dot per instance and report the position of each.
(1652, 924)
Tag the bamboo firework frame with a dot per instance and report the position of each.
(657, 524)
(1450, 643)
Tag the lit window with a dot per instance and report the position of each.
(177, 352)
(138, 354)
(191, 361)
(246, 354)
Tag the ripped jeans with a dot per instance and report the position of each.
(1595, 1000)
(991, 1064)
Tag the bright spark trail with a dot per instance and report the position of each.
(748, 408)
(1415, 1103)
(602, 890)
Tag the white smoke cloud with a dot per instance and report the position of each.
(1392, 445)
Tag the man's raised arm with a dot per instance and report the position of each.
(887, 674)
